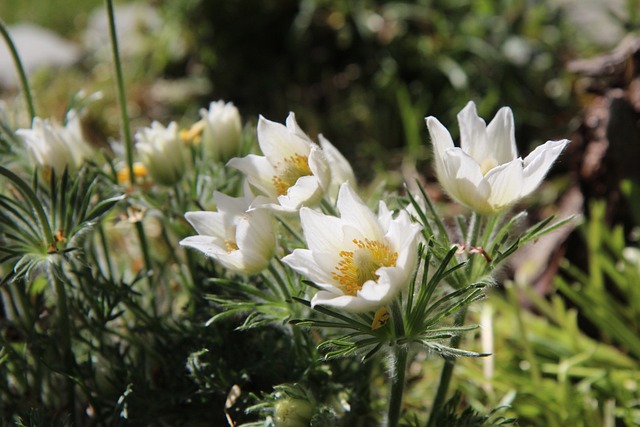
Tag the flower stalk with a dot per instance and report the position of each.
(24, 83)
(399, 368)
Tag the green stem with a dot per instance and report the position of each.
(399, 367)
(145, 256)
(122, 99)
(447, 372)
(400, 358)
(64, 323)
(20, 69)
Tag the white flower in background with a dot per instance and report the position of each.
(242, 241)
(293, 172)
(221, 130)
(360, 260)
(162, 152)
(51, 145)
(485, 172)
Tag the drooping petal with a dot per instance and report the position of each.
(538, 163)
(506, 183)
(501, 137)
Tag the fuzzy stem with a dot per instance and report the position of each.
(20, 69)
(400, 358)
(64, 323)
(399, 367)
(122, 99)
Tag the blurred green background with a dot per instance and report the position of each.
(364, 73)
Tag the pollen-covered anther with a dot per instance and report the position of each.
(289, 170)
(231, 246)
(356, 267)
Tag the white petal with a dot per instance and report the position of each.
(538, 163)
(303, 261)
(207, 223)
(501, 136)
(293, 127)
(319, 165)
(473, 133)
(305, 192)
(254, 235)
(506, 184)
(323, 233)
(258, 170)
(341, 170)
(355, 213)
(384, 216)
(204, 244)
(279, 143)
(344, 302)
(462, 179)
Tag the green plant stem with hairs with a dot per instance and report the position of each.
(64, 323)
(399, 367)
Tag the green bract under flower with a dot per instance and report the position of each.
(485, 172)
(360, 260)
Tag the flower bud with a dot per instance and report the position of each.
(162, 152)
(222, 133)
(293, 412)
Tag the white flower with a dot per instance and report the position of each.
(485, 172)
(51, 145)
(162, 152)
(222, 132)
(293, 172)
(360, 261)
(242, 241)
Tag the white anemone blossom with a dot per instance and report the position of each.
(293, 171)
(360, 261)
(485, 172)
(242, 241)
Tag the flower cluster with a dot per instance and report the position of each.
(359, 260)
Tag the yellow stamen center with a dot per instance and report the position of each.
(231, 246)
(488, 164)
(289, 171)
(360, 265)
